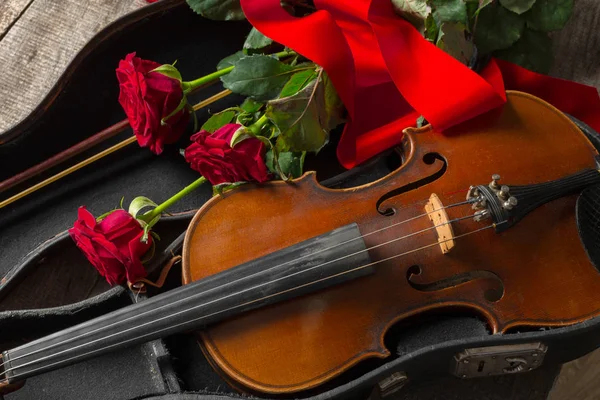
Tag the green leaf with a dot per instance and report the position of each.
(240, 135)
(251, 106)
(334, 108)
(497, 28)
(533, 51)
(474, 7)
(290, 164)
(230, 60)
(449, 11)
(414, 11)
(226, 186)
(140, 203)
(220, 10)
(421, 121)
(518, 6)
(218, 120)
(297, 82)
(168, 70)
(301, 119)
(258, 76)
(256, 41)
(453, 41)
(106, 214)
(431, 29)
(549, 15)
(182, 104)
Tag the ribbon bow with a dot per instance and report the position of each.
(388, 75)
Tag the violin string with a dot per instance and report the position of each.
(219, 299)
(239, 280)
(437, 243)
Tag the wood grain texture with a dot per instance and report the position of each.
(352, 318)
(37, 48)
(10, 11)
(579, 379)
(577, 45)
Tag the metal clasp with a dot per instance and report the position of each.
(498, 360)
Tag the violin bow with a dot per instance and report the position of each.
(77, 149)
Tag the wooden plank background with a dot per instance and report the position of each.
(38, 39)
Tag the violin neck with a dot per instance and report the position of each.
(311, 265)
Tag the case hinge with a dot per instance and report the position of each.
(498, 360)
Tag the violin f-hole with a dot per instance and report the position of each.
(428, 159)
(493, 288)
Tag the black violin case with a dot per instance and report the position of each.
(48, 285)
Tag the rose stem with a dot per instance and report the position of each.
(217, 74)
(99, 138)
(149, 216)
(172, 200)
(96, 157)
(255, 127)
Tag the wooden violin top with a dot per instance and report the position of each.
(534, 274)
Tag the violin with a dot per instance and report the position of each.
(295, 271)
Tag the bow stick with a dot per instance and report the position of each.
(77, 149)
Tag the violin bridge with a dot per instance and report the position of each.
(438, 216)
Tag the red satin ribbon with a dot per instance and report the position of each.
(387, 74)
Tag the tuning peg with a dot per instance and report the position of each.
(494, 183)
(504, 192)
(510, 203)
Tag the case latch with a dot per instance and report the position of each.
(499, 360)
(389, 386)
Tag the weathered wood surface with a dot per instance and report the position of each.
(38, 39)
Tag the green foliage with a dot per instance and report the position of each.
(449, 11)
(305, 118)
(532, 51)
(518, 6)
(256, 41)
(251, 106)
(334, 108)
(549, 15)
(497, 28)
(290, 164)
(220, 10)
(230, 60)
(431, 29)
(168, 70)
(299, 118)
(258, 76)
(140, 203)
(414, 11)
(218, 120)
(453, 40)
(297, 82)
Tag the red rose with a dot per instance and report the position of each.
(147, 98)
(112, 245)
(213, 157)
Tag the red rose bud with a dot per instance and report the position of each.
(213, 157)
(113, 245)
(150, 100)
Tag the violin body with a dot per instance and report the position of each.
(535, 274)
